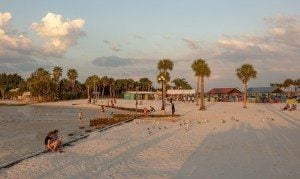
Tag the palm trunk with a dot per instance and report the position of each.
(202, 105)
(103, 91)
(88, 90)
(245, 95)
(164, 93)
(110, 94)
(197, 95)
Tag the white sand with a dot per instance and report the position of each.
(263, 143)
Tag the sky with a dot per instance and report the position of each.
(126, 39)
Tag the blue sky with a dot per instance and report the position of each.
(139, 33)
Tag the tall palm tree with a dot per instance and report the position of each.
(201, 69)
(287, 84)
(111, 84)
(92, 81)
(56, 75)
(163, 66)
(104, 83)
(72, 76)
(297, 86)
(245, 73)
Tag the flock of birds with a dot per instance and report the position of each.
(187, 124)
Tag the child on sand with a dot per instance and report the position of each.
(80, 117)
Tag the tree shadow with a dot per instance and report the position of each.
(246, 152)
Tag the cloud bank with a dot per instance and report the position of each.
(18, 52)
(113, 61)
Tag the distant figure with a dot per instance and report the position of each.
(55, 138)
(152, 109)
(286, 107)
(102, 108)
(49, 143)
(173, 109)
(112, 103)
(293, 108)
(146, 111)
(171, 100)
(80, 117)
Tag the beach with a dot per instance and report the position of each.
(224, 141)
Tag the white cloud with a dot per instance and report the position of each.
(59, 34)
(277, 31)
(4, 19)
(12, 42)
(19, 53)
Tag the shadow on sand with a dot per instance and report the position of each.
(246, 152)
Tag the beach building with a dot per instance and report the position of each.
(265, 94)
(25, 97)
(141, 95)
(181, 94)
(224, 94)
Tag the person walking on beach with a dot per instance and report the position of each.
(80, 117)
(173, 109)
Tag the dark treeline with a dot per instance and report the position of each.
(45, 85)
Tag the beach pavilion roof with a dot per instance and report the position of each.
(181, 91)
(264, 90)
(223, 91)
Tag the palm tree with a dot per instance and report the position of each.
(104, 83)
(111, 84)
(92, 81)
(145, 84)
(245, 73)
(56, 74)
(181, 83)
(163, 66)
(201, 69)
(287, 84)
(72, 76)
(297, 86)
(41, 84)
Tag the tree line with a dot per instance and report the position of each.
(45, 85)
(50, 86)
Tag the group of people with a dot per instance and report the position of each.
(290, 108)
(52, 141)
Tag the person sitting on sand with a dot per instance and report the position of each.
(146, 111)
(286, 107)
(55, 138)
(49, 143)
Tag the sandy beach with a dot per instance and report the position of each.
(225, 141)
